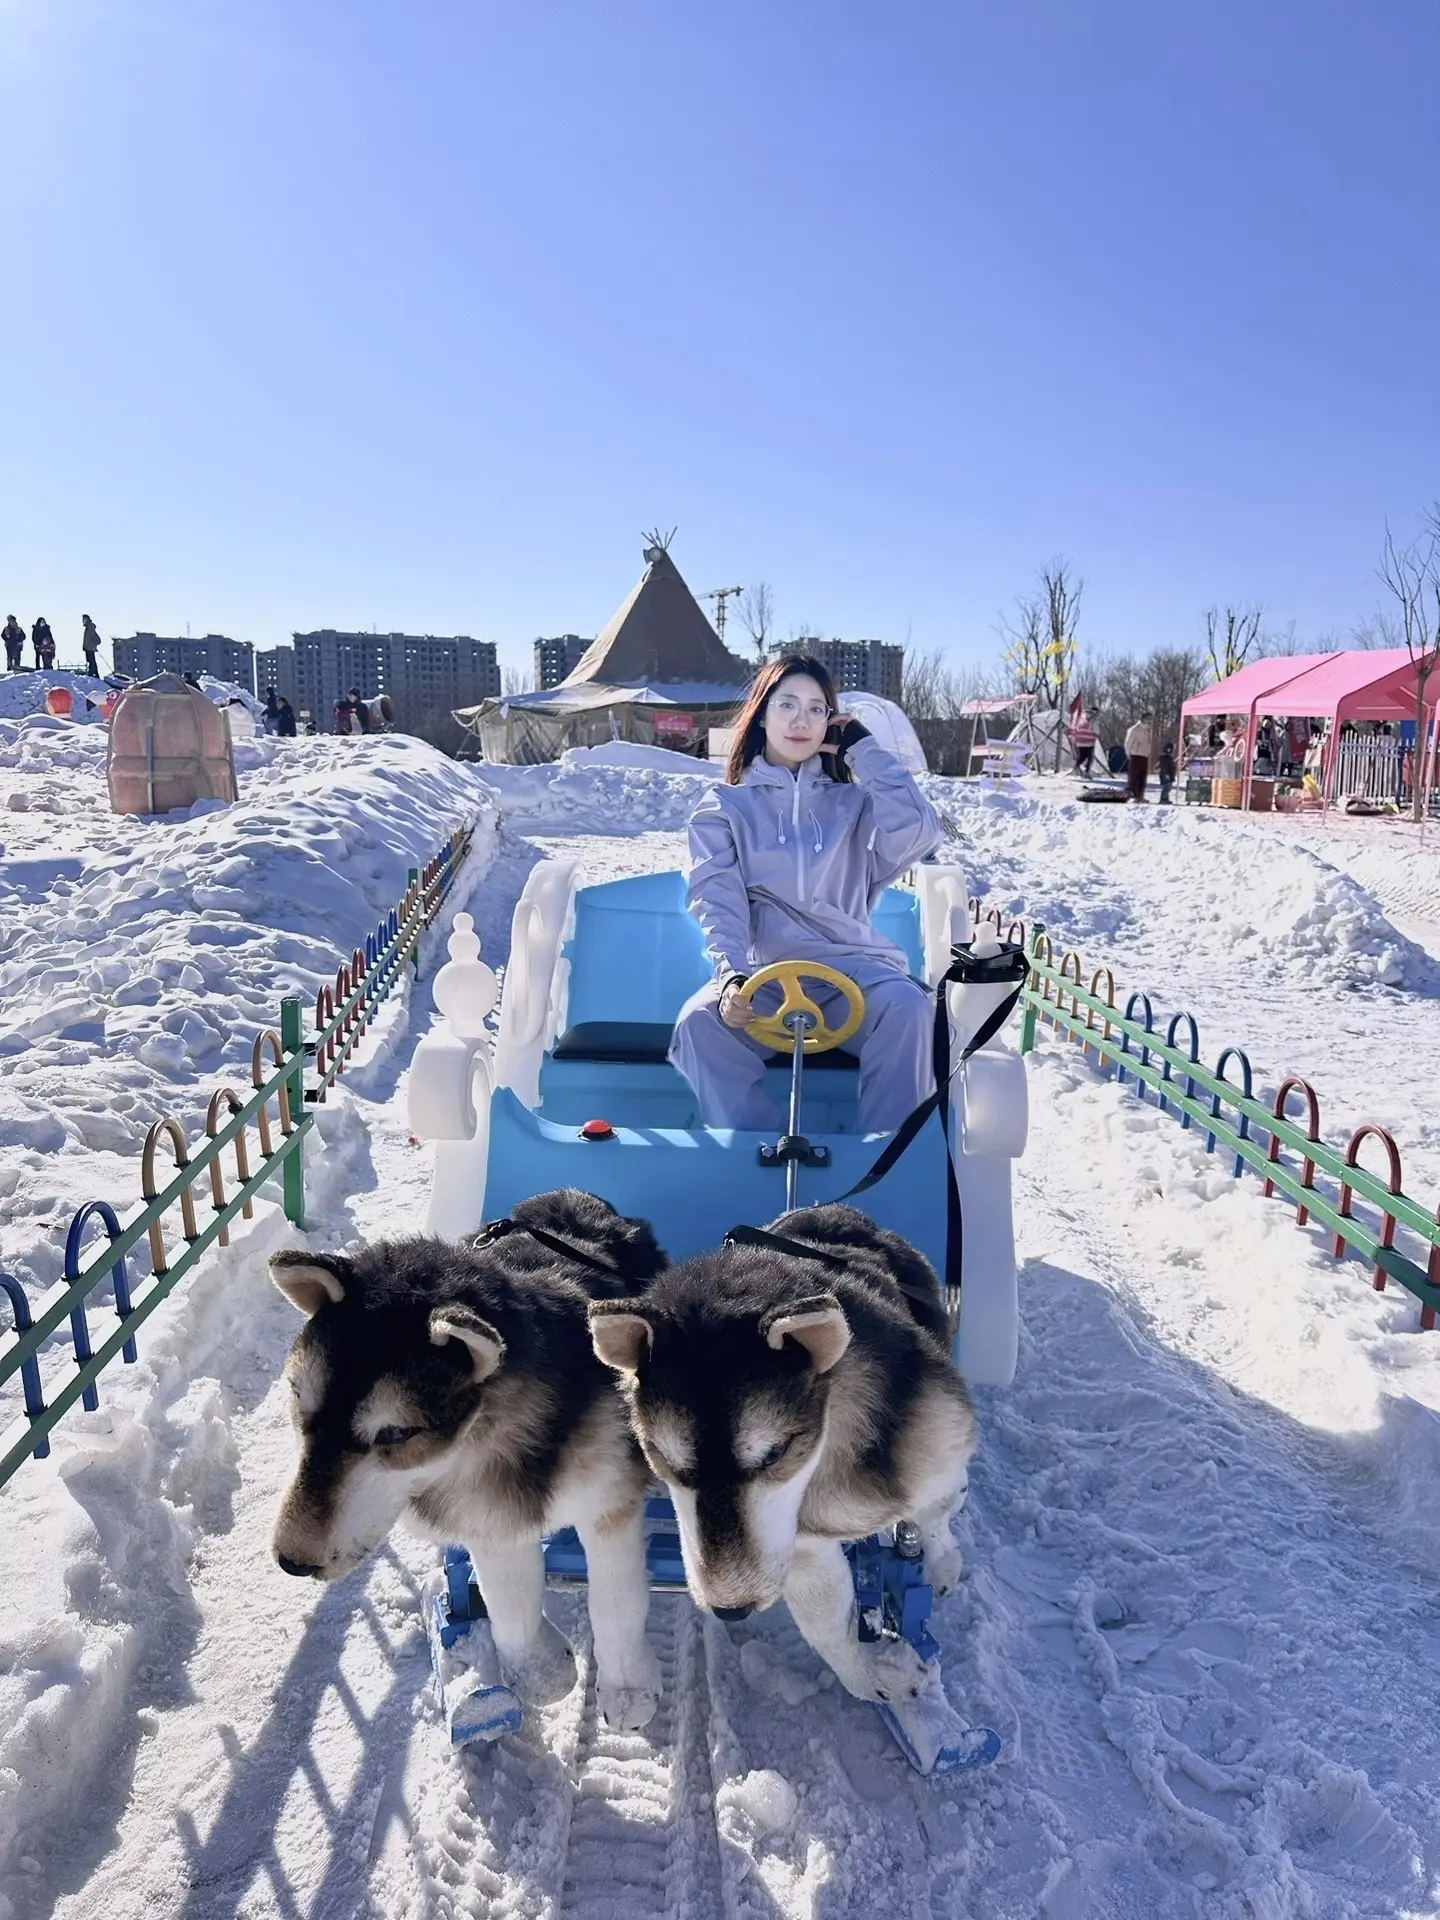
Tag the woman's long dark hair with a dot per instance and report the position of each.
(748, 735)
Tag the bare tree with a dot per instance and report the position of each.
(933, 694)
(1380, 631)
(1413, 576)
(755, 610)
(517, 680)
(1231, 638)
(1023, 651)
(1060, 590)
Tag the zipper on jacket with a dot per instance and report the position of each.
(799, 843)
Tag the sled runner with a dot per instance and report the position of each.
(579, 1093)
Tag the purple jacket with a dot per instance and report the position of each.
(788, 866)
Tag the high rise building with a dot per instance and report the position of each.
(146, 654)
(557, 658)
(858, 666)
(422, 674)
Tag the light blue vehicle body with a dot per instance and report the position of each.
(634, 956)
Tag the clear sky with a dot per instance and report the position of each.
(414, 315)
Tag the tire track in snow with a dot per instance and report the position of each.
(642, 1840)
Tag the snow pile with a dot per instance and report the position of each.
(24, 693)
(634, 753)
(586, 797)
(1225, 886)
(139, 957)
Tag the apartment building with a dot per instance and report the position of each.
(556, 658)
(857, 666)
(145, 654)
(421, 673)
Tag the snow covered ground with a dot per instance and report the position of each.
(1201, 1540)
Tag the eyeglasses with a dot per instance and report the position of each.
(790, 708)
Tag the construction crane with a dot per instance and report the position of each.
(720, 596)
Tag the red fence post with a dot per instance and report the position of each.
(1387, 1232)
(1307, 1172)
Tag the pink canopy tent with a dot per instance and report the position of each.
(1337, 687)
(1250, 683)
(1378, 685)
(1244, 690)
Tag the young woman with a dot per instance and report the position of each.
(786, 861)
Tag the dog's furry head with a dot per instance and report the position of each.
(413, 1349)
(729, 1364)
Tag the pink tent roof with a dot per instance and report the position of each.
(1351, 686)
(1253, 682)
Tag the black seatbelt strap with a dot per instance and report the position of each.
(494, 1230)
(1008, 965)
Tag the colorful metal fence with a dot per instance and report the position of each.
(1286, 1156)
(278, 1069)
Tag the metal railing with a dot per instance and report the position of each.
(371, 975)
(1256, 1136)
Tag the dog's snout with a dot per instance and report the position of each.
(734, 1613)
(297, 1567)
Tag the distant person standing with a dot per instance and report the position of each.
(284, 720)
(90, 647)
(1167, 772)
(344, 715)
(43, 641)
(270, 714)
(13, 634)
(1138, 748)
(1083, 737)
(360, 710)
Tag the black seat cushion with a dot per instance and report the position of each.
(647, 1044)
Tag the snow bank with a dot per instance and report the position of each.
(591, 798)
(139, 957)
(634, 753)
(1227, 890)
(24, 693)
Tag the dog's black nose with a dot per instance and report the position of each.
(733, 1613)
(297, 1567)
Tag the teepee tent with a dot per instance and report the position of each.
(657, 674)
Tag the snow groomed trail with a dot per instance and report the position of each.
(1201, 1546)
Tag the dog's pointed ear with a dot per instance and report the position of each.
(622, 1337)
(817, 1324)
(310, 1281)
(457, 1322)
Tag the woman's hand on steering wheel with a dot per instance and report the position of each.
(734, 1011)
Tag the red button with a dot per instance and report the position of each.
(597, 1130)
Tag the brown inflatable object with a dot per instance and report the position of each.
(169, 747)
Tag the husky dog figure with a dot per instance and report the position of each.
(457, 1387)
(792, 1398)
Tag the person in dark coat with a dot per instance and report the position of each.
(1167, 772)
(43, 641)
(90, 647)
(285, 719)
(344, 715)
(362, 712)
(13, 634)
(271, 711)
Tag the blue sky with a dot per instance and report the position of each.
(414, 316)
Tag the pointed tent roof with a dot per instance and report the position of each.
(658, 636)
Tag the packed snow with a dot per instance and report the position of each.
(1201, 1540)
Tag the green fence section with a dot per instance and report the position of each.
(278, 1080)
(1258, 1136)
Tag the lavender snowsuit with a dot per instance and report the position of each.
(787, 866)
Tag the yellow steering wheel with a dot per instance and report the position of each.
(770, 1028)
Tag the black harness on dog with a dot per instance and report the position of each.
(494, 1230)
